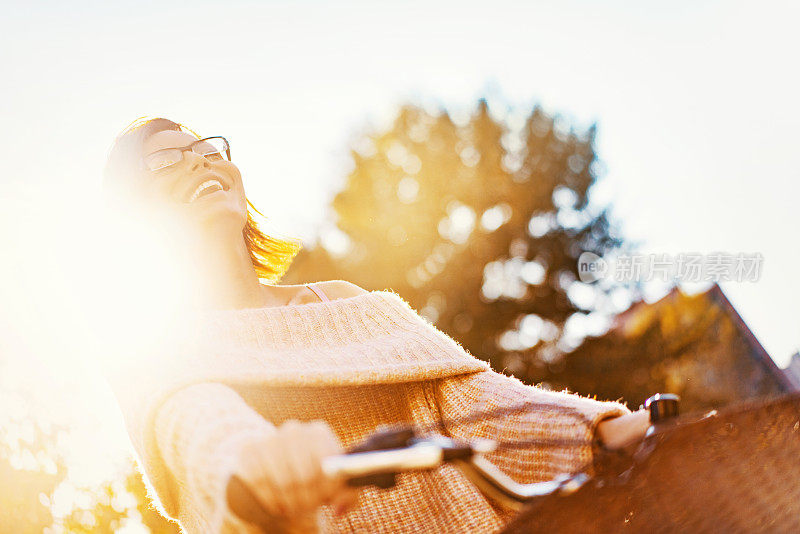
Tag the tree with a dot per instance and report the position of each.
(34, 470)
(479, 226)
(116, 502)
(28, 474)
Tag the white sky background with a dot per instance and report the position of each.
(697, 105)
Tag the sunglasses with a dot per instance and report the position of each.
(211, 148)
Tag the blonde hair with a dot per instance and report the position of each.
(271, 256)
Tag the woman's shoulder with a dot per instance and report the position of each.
(340, 289)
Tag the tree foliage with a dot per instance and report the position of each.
(36, 492)
(478, 225)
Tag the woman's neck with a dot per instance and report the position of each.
(225, 277)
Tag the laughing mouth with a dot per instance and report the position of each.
(206, 188)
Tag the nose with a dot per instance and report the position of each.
(195, 160)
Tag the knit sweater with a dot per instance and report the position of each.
(230, 376)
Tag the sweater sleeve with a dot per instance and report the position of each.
(559, 426)
(199, 431)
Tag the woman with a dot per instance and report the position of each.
(264, 381)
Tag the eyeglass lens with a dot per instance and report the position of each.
(213, 149)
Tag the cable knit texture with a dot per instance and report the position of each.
(229, 376)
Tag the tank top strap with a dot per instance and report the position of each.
(318, 292)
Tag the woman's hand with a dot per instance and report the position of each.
(624, 430)
(285, 473)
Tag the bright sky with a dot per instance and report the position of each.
(696, 104)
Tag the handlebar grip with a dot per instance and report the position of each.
(246, 506)
(243, 502)
(360, 469)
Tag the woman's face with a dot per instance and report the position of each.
(173, 191)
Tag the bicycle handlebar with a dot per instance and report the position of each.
(433, 451)
(361, 468)
(386, 453)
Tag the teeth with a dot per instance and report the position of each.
(202, 187)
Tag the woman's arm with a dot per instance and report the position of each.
(560, 426)
(200, 431)
(206, 433)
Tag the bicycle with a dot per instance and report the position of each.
(644, 491)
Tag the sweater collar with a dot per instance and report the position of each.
(374, 337)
